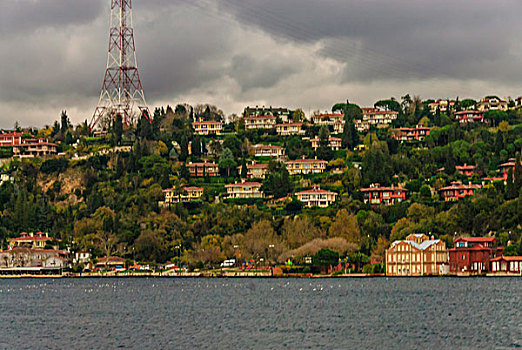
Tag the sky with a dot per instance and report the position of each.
(305, 54)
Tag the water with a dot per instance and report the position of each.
(428, 313)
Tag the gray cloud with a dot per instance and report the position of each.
(300, 53)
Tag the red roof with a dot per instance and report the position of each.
(192, 188)
(461, 187)
(115, 259)
(507, 258)
(290, 124)
(207, 122)
(307, 161)
(240, 184)
(325, 115)
(315, 190)
(476, 239)
(379, 188)
(206, 164)
(261, 117)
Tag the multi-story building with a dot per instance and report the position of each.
(376, 194)
(418, 255)
(506, 265)
(10, 138)
(287, 129)
(468, 170)
(29, 261)
(362, 125)
(207, 127)
(316, 197)
(199, 169)
(255, 170)
(417, 133)
(505, 167)
(465, 117)
(378, 117)
(281, 112)
(244, 189)
(305, 166)
(329, 119)
(30, 148)
(458, 191)
(187, 194)
(260, 122)
(443, 105)
(333, 142)
(472, 255)
(30, 240)
(268, 151)
(492, 103)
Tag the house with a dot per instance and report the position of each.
(506, 265)
(268, 151)
(417, 133)
(362, 125)
(30, 240)
(378, 117)
(81, 258)
(329, 119)
(244, 190)
(287, 129)
(316, 197)
(31, 148)
(376, 194)
(468, 170)
(505, 167)
(333, 142)
(260, 122)
(281, 112)
(210, 127)
(472, 255)
(187, 194)
(305, 166)
(255, 170)
(470, 116)
(29, 261)
(6, 177)
(10, 138)
(492, 103)
(417, 255)
(458, 191)
(442, 105)
(199, 169)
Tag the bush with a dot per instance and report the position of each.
(54, 165)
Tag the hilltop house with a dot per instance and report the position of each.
(468, 170)
(336, 120)
(492, 103)
(268, 151)
(199, 169)
(287, 129)
(443, 105)
(281, 112)
(378, 117)
(210, 127)
(468, 116)
(260, 122)
(417, 133)
(333, 142)
(417, 255)
(187, 194)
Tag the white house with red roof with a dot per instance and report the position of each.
(207, 127)
(244, 189)
(30, 240)
(316, 197)
(305, 166)
(260, 122)
(287, 129)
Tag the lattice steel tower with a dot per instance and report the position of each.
(121, 91)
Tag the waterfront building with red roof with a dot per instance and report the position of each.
(472, 255)
(316, 197)
(506, 265)
(377, 194)
(458, 191)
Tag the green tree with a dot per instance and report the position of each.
(117, 129)
(226, 160)
(324, 151)
(325, 258)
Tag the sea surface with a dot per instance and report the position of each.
(179, 313)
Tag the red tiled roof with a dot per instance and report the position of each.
(461, 187)
(315, 190)
(476, 239)
(207, 122)
(115, 259)
(307, 161)
(261, 117)
(290, 124)
(392, 188)
(206, 164)
(192, 188)
(240, 184)
(507, 258)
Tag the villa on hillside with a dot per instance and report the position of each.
(443, 105)
(255, 170)
(199, 169)
(457, 191)
(333, 142)
(281, 112)
(187, 194)
(417, 255)
(417, 133)
(378, 117)
(316, 197)
(260, 122)
(30, 240)
(376, 194)
(287, 129)
(492, 103)
(468, 116)
(468, 170)
(210, 127)
(336, 120)
(268, 151)
(305, 166)
(242, 190)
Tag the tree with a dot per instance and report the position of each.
(325, 258)
(117, 129)
(390, 105)
(64, 123)
(226, 160)
(278, 183)
(298, 231)
(196, 147)
(324, 151)
(244, 169)
(298, 116)
(345, 226)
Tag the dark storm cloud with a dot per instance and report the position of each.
(402, 38)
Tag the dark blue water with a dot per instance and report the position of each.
(429, 313)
